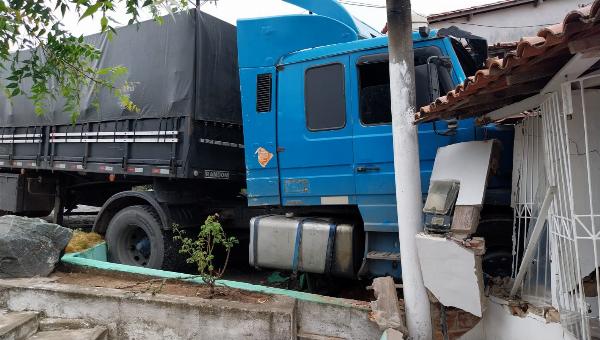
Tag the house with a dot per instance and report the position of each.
(506, 21)
(549, 90)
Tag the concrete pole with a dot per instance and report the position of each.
(406, 166)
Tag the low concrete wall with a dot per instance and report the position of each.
(312, 314)
(144, 316)
(287, 315)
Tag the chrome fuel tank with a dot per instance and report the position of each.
(304, 244)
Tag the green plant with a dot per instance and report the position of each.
(200, 251)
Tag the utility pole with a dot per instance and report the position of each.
(406, 165)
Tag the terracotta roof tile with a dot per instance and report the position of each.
(534, 57)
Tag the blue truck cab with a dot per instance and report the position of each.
(317, 126)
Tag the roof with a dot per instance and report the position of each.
(521, 73)
(437, 17)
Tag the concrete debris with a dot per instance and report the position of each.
(392, 334)
(500, 323)
(476, 244)
(452, 273)
(499, 287)
(386, 310)
(465, 219)
(30, 246)
(552, 315)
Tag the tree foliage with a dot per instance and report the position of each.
(200, 251)
(44, 61)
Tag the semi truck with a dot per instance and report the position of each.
(281, 125)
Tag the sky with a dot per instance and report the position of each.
(231, 10)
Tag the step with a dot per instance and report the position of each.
(383, 255)
(18, 325)
(56, 324)
(309, 336)
(96, 333)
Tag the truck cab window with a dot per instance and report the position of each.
(374, 100)
(374, 78)
(325, 97)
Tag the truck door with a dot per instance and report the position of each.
(373, 149)
(314, 133)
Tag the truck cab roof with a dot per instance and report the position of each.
(346, 47)
(329, 30)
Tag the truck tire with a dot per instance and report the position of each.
(496, 229)
(135, 237)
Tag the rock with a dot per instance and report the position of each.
(392, 334)
(30, 246)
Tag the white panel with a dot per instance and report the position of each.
(467, 163)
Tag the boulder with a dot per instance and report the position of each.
(30, 246)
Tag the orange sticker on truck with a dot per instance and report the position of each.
(264, 156)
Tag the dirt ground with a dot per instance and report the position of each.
(238, 269)
(138, 284)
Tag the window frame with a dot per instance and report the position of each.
(345, 101)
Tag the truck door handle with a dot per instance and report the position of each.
(363, 169)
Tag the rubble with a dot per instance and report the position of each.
(30, 246)
(386, 310)
(392, 334)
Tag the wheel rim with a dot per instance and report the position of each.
(135, 246)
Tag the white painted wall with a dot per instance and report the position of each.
(548, 12)
(499, 324)
(451, 273)
(585, 201)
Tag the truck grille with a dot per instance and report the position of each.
(263, 92)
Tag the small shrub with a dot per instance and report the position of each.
(200, 251)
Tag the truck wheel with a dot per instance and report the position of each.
(134, 236)
(496, 229)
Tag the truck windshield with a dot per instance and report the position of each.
(374, 80)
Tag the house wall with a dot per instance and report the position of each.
(499, 324)
(548, 12)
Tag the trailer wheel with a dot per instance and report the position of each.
(134, 237)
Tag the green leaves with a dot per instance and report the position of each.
(200, 251)
(91, 10)
(104, 23)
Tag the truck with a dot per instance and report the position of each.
(281, 125)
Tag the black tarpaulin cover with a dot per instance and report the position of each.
(185, 67)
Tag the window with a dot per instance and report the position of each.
(374, 98)
(374, 78)
(325, 97)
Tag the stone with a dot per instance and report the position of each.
(30, 246)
